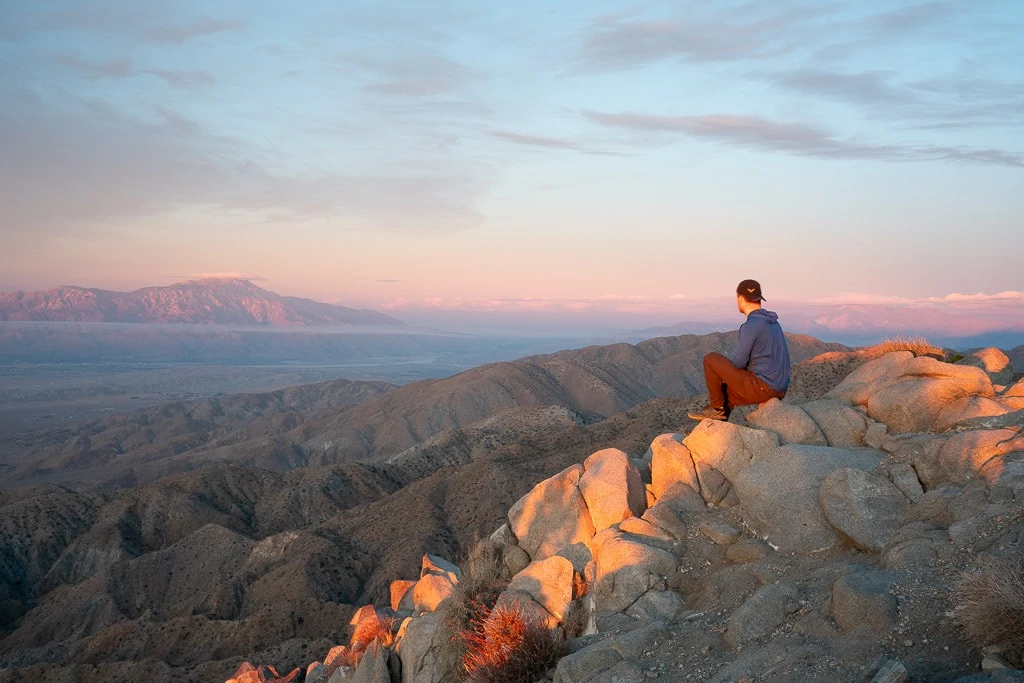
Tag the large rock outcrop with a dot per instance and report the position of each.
(993, 361)
(865, 507)
(612, 488)
(918, 394)
(778, 493)
(720, 452)
(552, 516)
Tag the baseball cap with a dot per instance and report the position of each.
(750, 290)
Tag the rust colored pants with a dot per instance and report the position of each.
(729, 386)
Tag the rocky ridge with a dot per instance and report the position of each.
(812, 540)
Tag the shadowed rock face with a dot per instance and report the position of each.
(1016, 356)
(994, 362)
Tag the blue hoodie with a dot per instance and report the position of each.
(762, 349)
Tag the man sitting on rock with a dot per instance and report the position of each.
(758, 369)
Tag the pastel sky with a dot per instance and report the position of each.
(576, 156)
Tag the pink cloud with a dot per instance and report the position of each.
(1011, 297)
(220, 276)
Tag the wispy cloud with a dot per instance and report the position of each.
(621, 42)
(952, 101)
(124, 68)
(203, 26)
(753, 132)
(762, 34)
(133, 21)
(705, 33)
(118, 67)
(533, 140)
(180, 78)
(866, 87)
(1009, 298)
(542, 142)
(416, 71)
(913, 17)
(148, 167)
(219, 276)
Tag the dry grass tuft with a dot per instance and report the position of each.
(574, 623)
(349, 658)
(580, 587)
(990, 605)
(386, 631)
(382, 630)
(504, 646)
(488, 643)
(484, 579)
(486, 562)
(919, 346)
(471, 600)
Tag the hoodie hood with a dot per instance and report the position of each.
(770, 317)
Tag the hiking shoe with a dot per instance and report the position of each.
(710, 413)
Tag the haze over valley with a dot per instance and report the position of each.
(72, 353)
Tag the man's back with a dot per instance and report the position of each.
(762, 349)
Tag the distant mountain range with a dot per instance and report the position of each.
(858, 324)
(933, 321)
(687, 327)
(206, 301)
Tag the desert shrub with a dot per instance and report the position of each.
(574, 623)
(990, 605)
(382, 630)
(577, 617)
(347, 659)
(504, 646)
(483, 580)
(486, 562)
(919, 346)
(386, 631)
